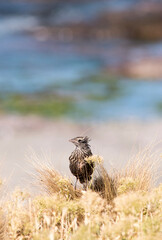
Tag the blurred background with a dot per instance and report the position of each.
(79, 67)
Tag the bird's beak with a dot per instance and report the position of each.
(72, 140)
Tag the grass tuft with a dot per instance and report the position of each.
(104, 184)
(139, 174)
(53, 182)
(2, 226)
(119, 206)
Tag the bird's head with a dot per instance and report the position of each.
(80, 141)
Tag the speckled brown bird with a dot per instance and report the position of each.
(79, 167)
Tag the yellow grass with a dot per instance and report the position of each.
(140, 173)
(53, 182)
(2, 225)
(123, 205)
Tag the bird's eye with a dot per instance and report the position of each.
(79, 140)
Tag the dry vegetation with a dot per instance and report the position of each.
(119, 206)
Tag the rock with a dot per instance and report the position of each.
(144, 68)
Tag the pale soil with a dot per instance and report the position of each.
(115, 141)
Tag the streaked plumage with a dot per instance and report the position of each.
(79, 167)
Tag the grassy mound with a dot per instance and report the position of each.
(120, 206)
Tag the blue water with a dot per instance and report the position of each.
(139, 101)
(29, 71)
(29, 64)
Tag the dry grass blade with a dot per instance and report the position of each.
(50, 180)
(53, 182)
(2, 226)
(104, 184)
(139, 173)
(2, 217)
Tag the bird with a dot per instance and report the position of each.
(79, 167)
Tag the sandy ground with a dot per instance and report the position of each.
(115, 141)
